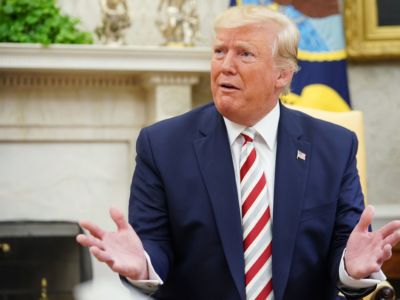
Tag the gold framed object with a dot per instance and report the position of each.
(366, 39)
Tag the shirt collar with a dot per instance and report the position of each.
(267, 128)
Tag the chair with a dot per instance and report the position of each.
(353, 120)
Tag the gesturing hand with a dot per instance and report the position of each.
(367, 251)
(121, 250)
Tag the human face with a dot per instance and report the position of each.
(245, 82)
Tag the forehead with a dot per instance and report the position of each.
(252, 34)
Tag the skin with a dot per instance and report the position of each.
(121, 250)
(245, 81)
(246, 84)
(367, 251)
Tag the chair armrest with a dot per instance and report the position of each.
(384, 291)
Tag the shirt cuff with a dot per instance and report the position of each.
(347, 280)
(150, 285)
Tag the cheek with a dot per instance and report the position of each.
(214, 68)
(256, 82)
(259, 88)
(264, 81)
(213, 85)
(213, 76)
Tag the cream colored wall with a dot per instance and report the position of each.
(375, 90)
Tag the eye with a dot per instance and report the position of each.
(247, 54)
(218, 52)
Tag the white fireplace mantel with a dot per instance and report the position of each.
(167, 73)
(104, 58)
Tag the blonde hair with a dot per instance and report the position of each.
(287, 38)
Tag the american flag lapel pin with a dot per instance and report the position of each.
(301, 155)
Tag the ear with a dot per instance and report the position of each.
(284, 78)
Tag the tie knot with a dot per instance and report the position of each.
(248, 134)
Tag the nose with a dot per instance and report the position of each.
(228, 64)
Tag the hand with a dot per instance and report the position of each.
(367, 251)
(121, 250)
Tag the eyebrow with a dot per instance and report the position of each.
(245, 46)
(237, 45)
(217, 43)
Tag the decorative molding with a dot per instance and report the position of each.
(170, 79)
(60, 134)
(172, 107)
(60, 80)
(169, 94)
(104, 58)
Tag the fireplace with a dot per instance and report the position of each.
(41, 260)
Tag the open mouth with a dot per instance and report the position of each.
(229, 86)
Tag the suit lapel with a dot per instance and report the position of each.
(215, 162)
(290, 182)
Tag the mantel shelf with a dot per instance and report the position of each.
(104, 58)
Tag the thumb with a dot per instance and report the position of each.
(366, 219)
(118, 218)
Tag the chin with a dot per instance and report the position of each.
(224, 106)
(230, 113)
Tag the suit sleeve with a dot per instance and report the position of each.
(350, 208)
(148, 211)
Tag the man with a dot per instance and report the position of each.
(245, 198)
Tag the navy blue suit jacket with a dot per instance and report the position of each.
(185, 208)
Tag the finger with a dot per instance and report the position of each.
(101, 255)
(89, 241)
(94, 230)
(375, 268)
(390, 228)
(387, 253)
(393, 238)
(366, 219)
(118, 218)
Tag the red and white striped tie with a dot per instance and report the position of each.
(256, 222)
